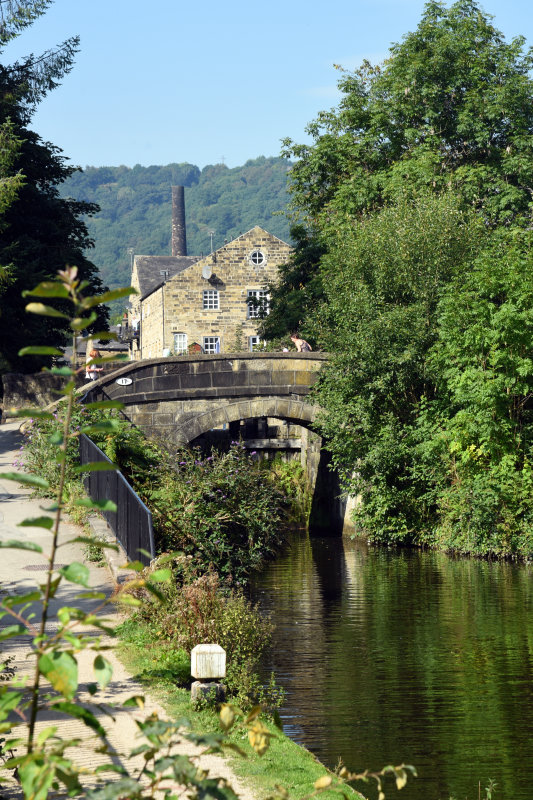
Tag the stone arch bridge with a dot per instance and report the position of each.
(183, 397)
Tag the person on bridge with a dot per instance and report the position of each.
(301, 345)
(91, 370)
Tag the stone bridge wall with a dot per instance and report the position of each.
(181, 398)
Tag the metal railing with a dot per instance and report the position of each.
(132, 521)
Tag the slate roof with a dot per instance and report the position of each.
(150, 267)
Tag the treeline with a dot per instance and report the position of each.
(135, 208)
(414, 267)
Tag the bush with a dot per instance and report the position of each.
(197, 610)
(219, 509)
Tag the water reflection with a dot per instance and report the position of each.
(391, 656)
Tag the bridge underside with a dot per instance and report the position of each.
(181, 422)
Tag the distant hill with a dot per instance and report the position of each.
(136, 208)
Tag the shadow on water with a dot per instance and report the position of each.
(391, 656)
(327, 507)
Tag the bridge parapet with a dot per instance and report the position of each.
(214, 376)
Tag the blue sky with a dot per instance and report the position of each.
(206, 81)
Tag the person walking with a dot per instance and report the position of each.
(301, 345)
(91, 370)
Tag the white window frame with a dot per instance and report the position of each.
(257, 257)
(210, 300)
(253, 341)
(256, 311)
(180, 349)
(209, 343)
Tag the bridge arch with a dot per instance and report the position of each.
(295, 411)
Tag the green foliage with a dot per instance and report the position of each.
(479, 427)
(405, 189)
(298, 290)
(290, 479)
(383, 276)
(39, 759)
(218, 509)
(198, 609)
(450, 108)
(136, 207)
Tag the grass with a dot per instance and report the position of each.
(160, 668)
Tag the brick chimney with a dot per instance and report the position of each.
(179, 236)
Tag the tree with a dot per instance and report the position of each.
(450, 108)
(382, 278)
(302, 288)
(40, 231)
(476, 433)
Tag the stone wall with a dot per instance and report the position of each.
(31, 391)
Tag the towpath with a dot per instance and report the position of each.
(20, 571)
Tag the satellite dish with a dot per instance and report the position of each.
(206, 272)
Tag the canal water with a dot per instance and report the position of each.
(391, 656)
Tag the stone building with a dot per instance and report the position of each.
(210, 304)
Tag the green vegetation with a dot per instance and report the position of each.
(197, 609)
(135, 207)
(413, 268)
(39, 230)
(285, 762)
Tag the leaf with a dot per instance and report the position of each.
(80, 323)
(40, 350)
(160, 575)
(30, 412)
(45, 734)
(127, 600)
(100, 505)
(136, 700)
(65, 371)
(101, 336)
(136, 566)
(99, 542)
(37, 522)
(253, 714)
(13, 544)
(401, 778)
(96, 466)
(103, 671)
(107, 426)
(227, 716)
(61, 669)
(83, 714)
(12, 630)
(47, 289)
(323, 782)
(44, 311)
(28, 480)
(19, 599)
(114, 294)
(76, 573)
(36, 777)
(105, 404)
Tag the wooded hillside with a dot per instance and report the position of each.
(136, 208)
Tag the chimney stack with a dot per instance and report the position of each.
(179, 236)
